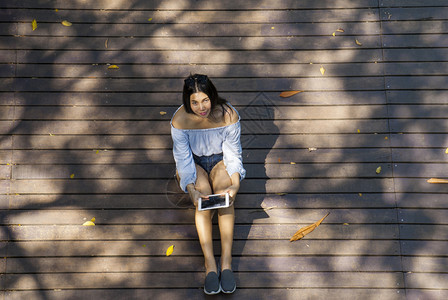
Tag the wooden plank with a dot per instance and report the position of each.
(169, 85)
(424, 170)
(137, 171)
(7, 56)
(190, 264)
(179, 5)
(252, 156)
(138, 186)
(417, 97)
(427, 68)
(7, 70)
(416, 27)
(416, 140)
(421, 200)
(193, 43)
(151, 216)
(419, 185)
(415, 55)
(117, 142)
(253, 201)
(191, 30)
(415, 155)
(410, 3)
(172, 98)
(419, 126)
(419, 216)
(199, 57)
(5, 172)
(179, 280)
(246, 113)
(415, 41)
(196, 293)
(426, 280)
(413, 13)
(4, 202)
(192, 16)
(187, 232)
(162, 126)
(6, 142)
(215, 70)
(415, 82)
(414, 294)
(424, 264)
(424, 232)
(424, 247)
(240, 248)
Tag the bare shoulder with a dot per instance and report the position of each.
(231, 116)
(180, 119)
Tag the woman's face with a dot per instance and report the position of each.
(200, 104)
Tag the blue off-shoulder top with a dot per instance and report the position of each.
(206, 142)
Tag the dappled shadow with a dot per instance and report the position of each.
(84, 141)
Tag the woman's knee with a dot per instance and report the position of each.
(202, 181)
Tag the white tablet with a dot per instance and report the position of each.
(214, 201)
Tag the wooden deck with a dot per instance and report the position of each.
(79, 140)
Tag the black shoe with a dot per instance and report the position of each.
(211, 286)
(228, 284)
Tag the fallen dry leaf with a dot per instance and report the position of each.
(150, 19)
(292, 163)
(162, 113)
(346, 224)
(333, 34)
(340, 30)
(312, 149)
(322, 70)
(113, 67)
(66, 23)
(359, 131)
(88, 223)
(170, 250)
(360, 194)
(93, 219)
(72, 176)
(106, 42)
(437, 180)
(289, 93)
(358, 42)
(34, 24)
(378, 170)
(446, 151)
(305, 230)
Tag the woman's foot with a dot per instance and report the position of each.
(211, 285)
(228, 284)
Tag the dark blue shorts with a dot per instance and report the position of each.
(208, 162)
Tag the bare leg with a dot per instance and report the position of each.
(226, 216)
(203, 221)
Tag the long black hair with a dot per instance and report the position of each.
(201, 83)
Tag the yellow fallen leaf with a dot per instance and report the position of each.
(144, 245)
(340, 30)
(292, 163)
(358, 42)
(162, 113)
(113, 67)
(386, 138)
(170, 250)
(345, 224)
(289, 93)
(56, 10)
(446, 151)
(359, 131)
(305, 230)
(437, 180)
(272, 27)
(322, 70)
(97, 151)
(334, 34)
(150, 19)
(312, 149)
(66, 23)
(360, 194)
(72, 176)
(88, 223)
(93, 219)
(378, 170)
(34, 24)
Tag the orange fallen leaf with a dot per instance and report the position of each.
(305, 230)
(358, 42)
(437, 180)
(34, 24)
(66, 23)
(322, 70)
(340, 30)
(170, 250)
(113, 67)
(289, 93)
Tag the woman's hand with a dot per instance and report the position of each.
(194, 194)
(234, 188)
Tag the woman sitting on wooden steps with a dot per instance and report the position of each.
(207, 149)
